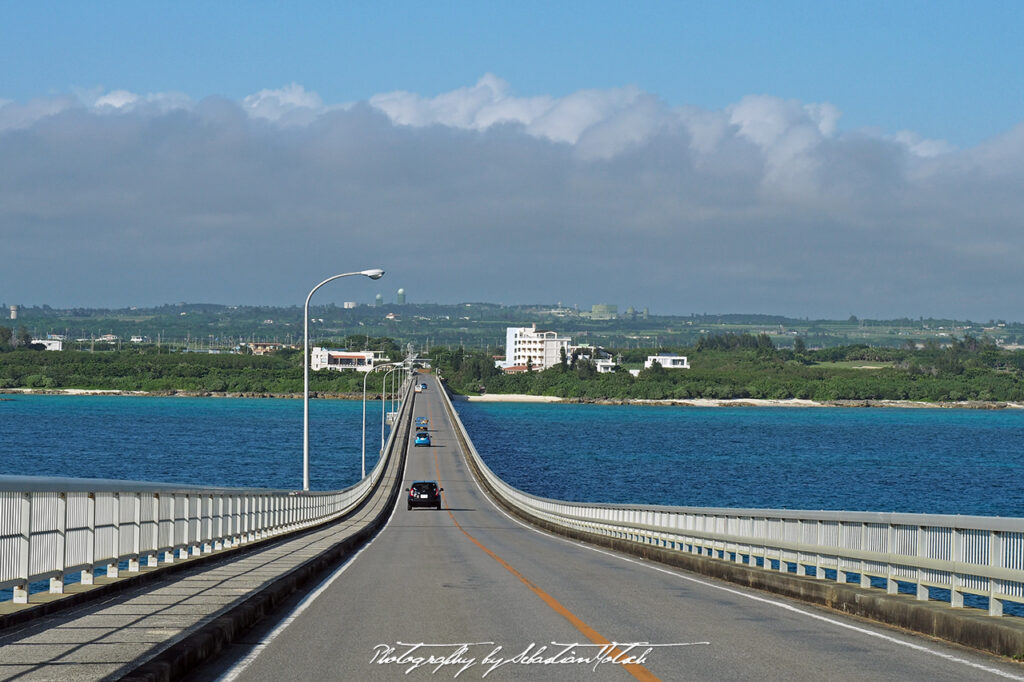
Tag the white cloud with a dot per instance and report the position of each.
(285, 104)
(118, 99)
(549, 198)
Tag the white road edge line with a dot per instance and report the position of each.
(754, 597)
(258, 648)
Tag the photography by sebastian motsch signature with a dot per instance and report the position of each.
(456, 658)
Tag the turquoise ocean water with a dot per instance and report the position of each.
(912, 460)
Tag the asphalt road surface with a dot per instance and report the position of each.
(469, 593)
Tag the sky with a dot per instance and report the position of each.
(795, 158)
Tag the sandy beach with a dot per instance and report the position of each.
(738, 402)
(524, 398)
(510, 398)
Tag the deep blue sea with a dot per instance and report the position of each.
(911, 460)
(235, 442)
(940, 461)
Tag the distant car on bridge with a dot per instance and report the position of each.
(423, 387)
(424, 494)
(422, 438)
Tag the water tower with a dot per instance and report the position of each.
(401, 297)
(379, 301)
(14, 312)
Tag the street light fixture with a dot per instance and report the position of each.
(375, 273)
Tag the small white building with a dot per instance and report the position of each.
(330, 358)
(605, 366)
(538, 348)
(667, 361)
(50, 344)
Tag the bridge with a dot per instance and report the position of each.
(351, 585)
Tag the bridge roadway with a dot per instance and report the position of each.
(472, 575)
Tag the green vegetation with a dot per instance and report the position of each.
(160, 371)
(725, 365)
(747, 366)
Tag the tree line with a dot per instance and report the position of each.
(722, 367)
(737, 366)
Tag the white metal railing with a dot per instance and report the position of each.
(52, 527)
(975, 555)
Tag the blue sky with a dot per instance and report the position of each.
(948, 70)
(801, 158)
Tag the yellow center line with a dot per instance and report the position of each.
(635, 669)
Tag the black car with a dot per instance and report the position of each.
(424, 494)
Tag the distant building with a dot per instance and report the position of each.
(14, 312)
(379, 300)
(401, 297)
(604, 311)
(331, 358)
(538, 348)
(349, 305)
(667, 361)
(50, 344)
(264, 347)
(605, 366)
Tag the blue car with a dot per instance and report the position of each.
(422, 438)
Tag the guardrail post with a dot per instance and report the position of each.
(956, 596)
(208, 531)
(57, 581)
(995, 558)
(114, 564)
(195, 525)
(133, 560)
(865, 579)
(819, 572)
(220, 530)
(24, 548)
(152, 555)
(89, 574)
(891, 586)
(922, 589)
(169, 553)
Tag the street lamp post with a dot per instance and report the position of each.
(375, 273)
(384, 402)
(364, 410)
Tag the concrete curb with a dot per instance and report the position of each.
(1001, 636)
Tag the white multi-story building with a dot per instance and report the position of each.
(538, 348)
(330, 358)
(667, 361)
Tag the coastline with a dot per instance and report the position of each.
(179, 394)
(525, 398)
(741, 402)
